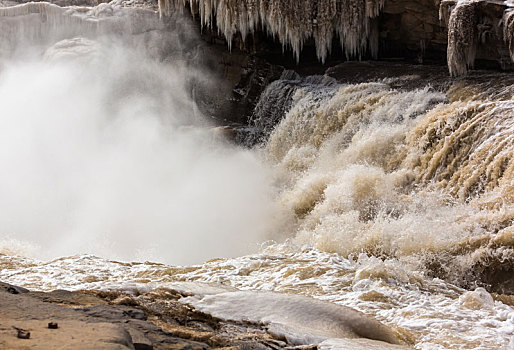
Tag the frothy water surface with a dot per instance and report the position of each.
(431, 313)
(395, 201)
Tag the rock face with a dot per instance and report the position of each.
(84, 322)
(154, 320)
(266, 37)
(419, 30)
(464, 35)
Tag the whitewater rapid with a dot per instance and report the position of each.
(414, 174)
(365, 227)
(430, 313)
(393, 196)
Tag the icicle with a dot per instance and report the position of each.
(508, 31)
(324, 28)
(462, 37)
(352, 27)
(227, 18)
(293, 22)
(43, 8)
(445, 9)
(373, 8)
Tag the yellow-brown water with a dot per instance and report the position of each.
(408, 174)
(391, 201)
(391, 196)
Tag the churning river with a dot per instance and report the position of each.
(393, 196)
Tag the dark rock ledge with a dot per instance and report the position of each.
(109, 320)
(113, 320)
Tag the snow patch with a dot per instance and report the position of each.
(357, 344)
(298, 319)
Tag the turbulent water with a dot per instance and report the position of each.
(393, 196)
(104, 151)
(414, 175)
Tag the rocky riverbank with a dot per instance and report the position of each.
(163, 319)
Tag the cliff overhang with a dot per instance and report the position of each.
(463, 31)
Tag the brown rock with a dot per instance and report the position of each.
(139, 340)
(9, 288)
(22, 333)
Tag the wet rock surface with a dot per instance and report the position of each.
(8, 288)
(103, 320)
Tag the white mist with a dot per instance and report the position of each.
(106, 155)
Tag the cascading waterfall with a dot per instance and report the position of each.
(369, 168)
(392, 195)
(276, 100)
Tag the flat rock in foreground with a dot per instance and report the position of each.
(168, 319)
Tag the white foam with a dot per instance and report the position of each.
(358, 344)
(429, 311)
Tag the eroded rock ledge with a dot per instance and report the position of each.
(426, 29)
(165, 319)
(461, 31)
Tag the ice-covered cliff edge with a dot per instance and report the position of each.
(466, 29)
(293, 22)
(472, 23)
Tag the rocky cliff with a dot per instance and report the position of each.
(245, 45)
(467, 30)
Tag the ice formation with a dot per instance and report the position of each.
(462, 37)
(44, 8)
(74, 49)
(29, 21)
(298, 319)
(508, 31)
(43, 22)
(358, 344)
(293, 22)
(464, 20)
